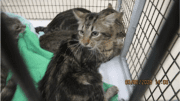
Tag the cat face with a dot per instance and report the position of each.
(101, 31)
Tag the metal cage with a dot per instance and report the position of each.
(151, 50)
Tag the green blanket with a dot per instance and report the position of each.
(36, 60)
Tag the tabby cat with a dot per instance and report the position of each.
(13, 25)
(51, 40)
(72, 74)
(64, 21)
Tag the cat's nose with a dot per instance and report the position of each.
(86, 43)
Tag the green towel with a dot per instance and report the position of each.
(36, 60)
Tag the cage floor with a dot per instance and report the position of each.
(112, 73)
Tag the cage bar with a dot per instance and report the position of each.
(137, 9)
(166, 36)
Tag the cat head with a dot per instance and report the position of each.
(13, 24)
(103, 31)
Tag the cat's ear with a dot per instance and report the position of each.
(110, 6)
(79, 15)
(121, 16)
(110, 19)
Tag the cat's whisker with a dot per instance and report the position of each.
(97, 44)
(104, 52)
(64, 59)
(70, 47)
(96, 55)
(66, 50)
(73, 40)
(98, 51)
(101, 54)
(81, 48)
(90, 56)
(69, 41)
(77, 48)
(94, 52)
(73, 45)
(91, 49)
(72, 62)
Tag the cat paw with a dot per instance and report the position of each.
(111, 92)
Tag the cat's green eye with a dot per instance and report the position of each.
(95, 33)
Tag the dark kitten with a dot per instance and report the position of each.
(52, 40)
(64, 21)
(15, 26)
(72, 74)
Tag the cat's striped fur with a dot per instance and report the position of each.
(102, 32)
(72, 74)
(51, 41)
(63, 21)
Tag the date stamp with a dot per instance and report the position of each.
(145, 82)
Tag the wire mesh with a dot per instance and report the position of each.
(152, 17)
(127, 7)
(48, 9)
(168, 70)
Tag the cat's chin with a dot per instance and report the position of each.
(87, 47)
